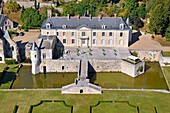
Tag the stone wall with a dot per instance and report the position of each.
(150, 55)
(60, 65)
(105, 65)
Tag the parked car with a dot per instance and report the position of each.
(21, 34)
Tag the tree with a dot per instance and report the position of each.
(159, 17)
(167, 33)
(141, 11)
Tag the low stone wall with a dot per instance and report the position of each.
(59, 65)
(105, 65)
(148, 55)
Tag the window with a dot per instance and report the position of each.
(83, 41)
(64, 33)
(109, 41)
(121, 34)
(72, 33)
(12, 48)
(57, 33)
(44, 55)
(73, 41)
(102, 41)
(94, 33)
(48, 33)
(103, 33)
(48, 26)
(94, 41)
(64, 26)
(103, 26)
(0, 58)
(35, 56)
(122, 26)
(64, 41)
(83, 34)
(110, 34)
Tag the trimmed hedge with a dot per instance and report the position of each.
(127, 102)
(35, 105)
(12, 61)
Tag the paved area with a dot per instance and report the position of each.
(95, 53)
(28, 37)
(145, 42)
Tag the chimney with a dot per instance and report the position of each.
(99, 17)
(78, 17)
(115, 15)
(49, 13)
(68, 16)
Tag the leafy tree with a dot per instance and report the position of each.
(159, 17)
(167, 33)
(141, 11)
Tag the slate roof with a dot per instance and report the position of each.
(2, 19)
(93, 22)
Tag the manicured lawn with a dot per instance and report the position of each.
(6, 80)
(167, 74)
(166, 54)
(146, 101)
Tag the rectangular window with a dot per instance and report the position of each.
(94, 33)
(121, 34)
(102, 41)
(94, 41)
(62, 67)
(83, 34)
(64, 33)
(72, 33)
(110, 34)
(64, 41)
(48, 33)
(73, 41)
(57, 33)
(103, 33)
(109, 41)
(44, 55)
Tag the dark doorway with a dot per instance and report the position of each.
(81, 90)
(44, 69)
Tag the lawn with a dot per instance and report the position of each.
(6, 80)
(146, 101)
(166, 54)
(167, 74)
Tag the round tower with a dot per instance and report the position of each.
(35, 58)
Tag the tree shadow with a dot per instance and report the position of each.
(21, 45)
(59, 49)
(135, 37)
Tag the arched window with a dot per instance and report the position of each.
(12, 48)
(48, 26)
(64, 26)
(122, 26)
(103, 26)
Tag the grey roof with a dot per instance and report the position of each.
(91, 22)
(3, 18)
(34, 46)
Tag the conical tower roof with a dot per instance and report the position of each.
(34, 46)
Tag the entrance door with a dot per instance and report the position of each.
(44, 69)
(84, 43)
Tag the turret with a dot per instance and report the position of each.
(35, 58)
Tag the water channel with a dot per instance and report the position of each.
(151, 79)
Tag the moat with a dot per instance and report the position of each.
(151, 79)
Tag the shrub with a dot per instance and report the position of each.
(12, 61)
(140, 69)
(135, 53)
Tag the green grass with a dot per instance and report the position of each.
(8, 77)
(146, 101)
(167, 74)
(166, 54)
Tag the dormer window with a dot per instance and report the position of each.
(122, 26)
(103, 26)
(64, 26)
(48, 26)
